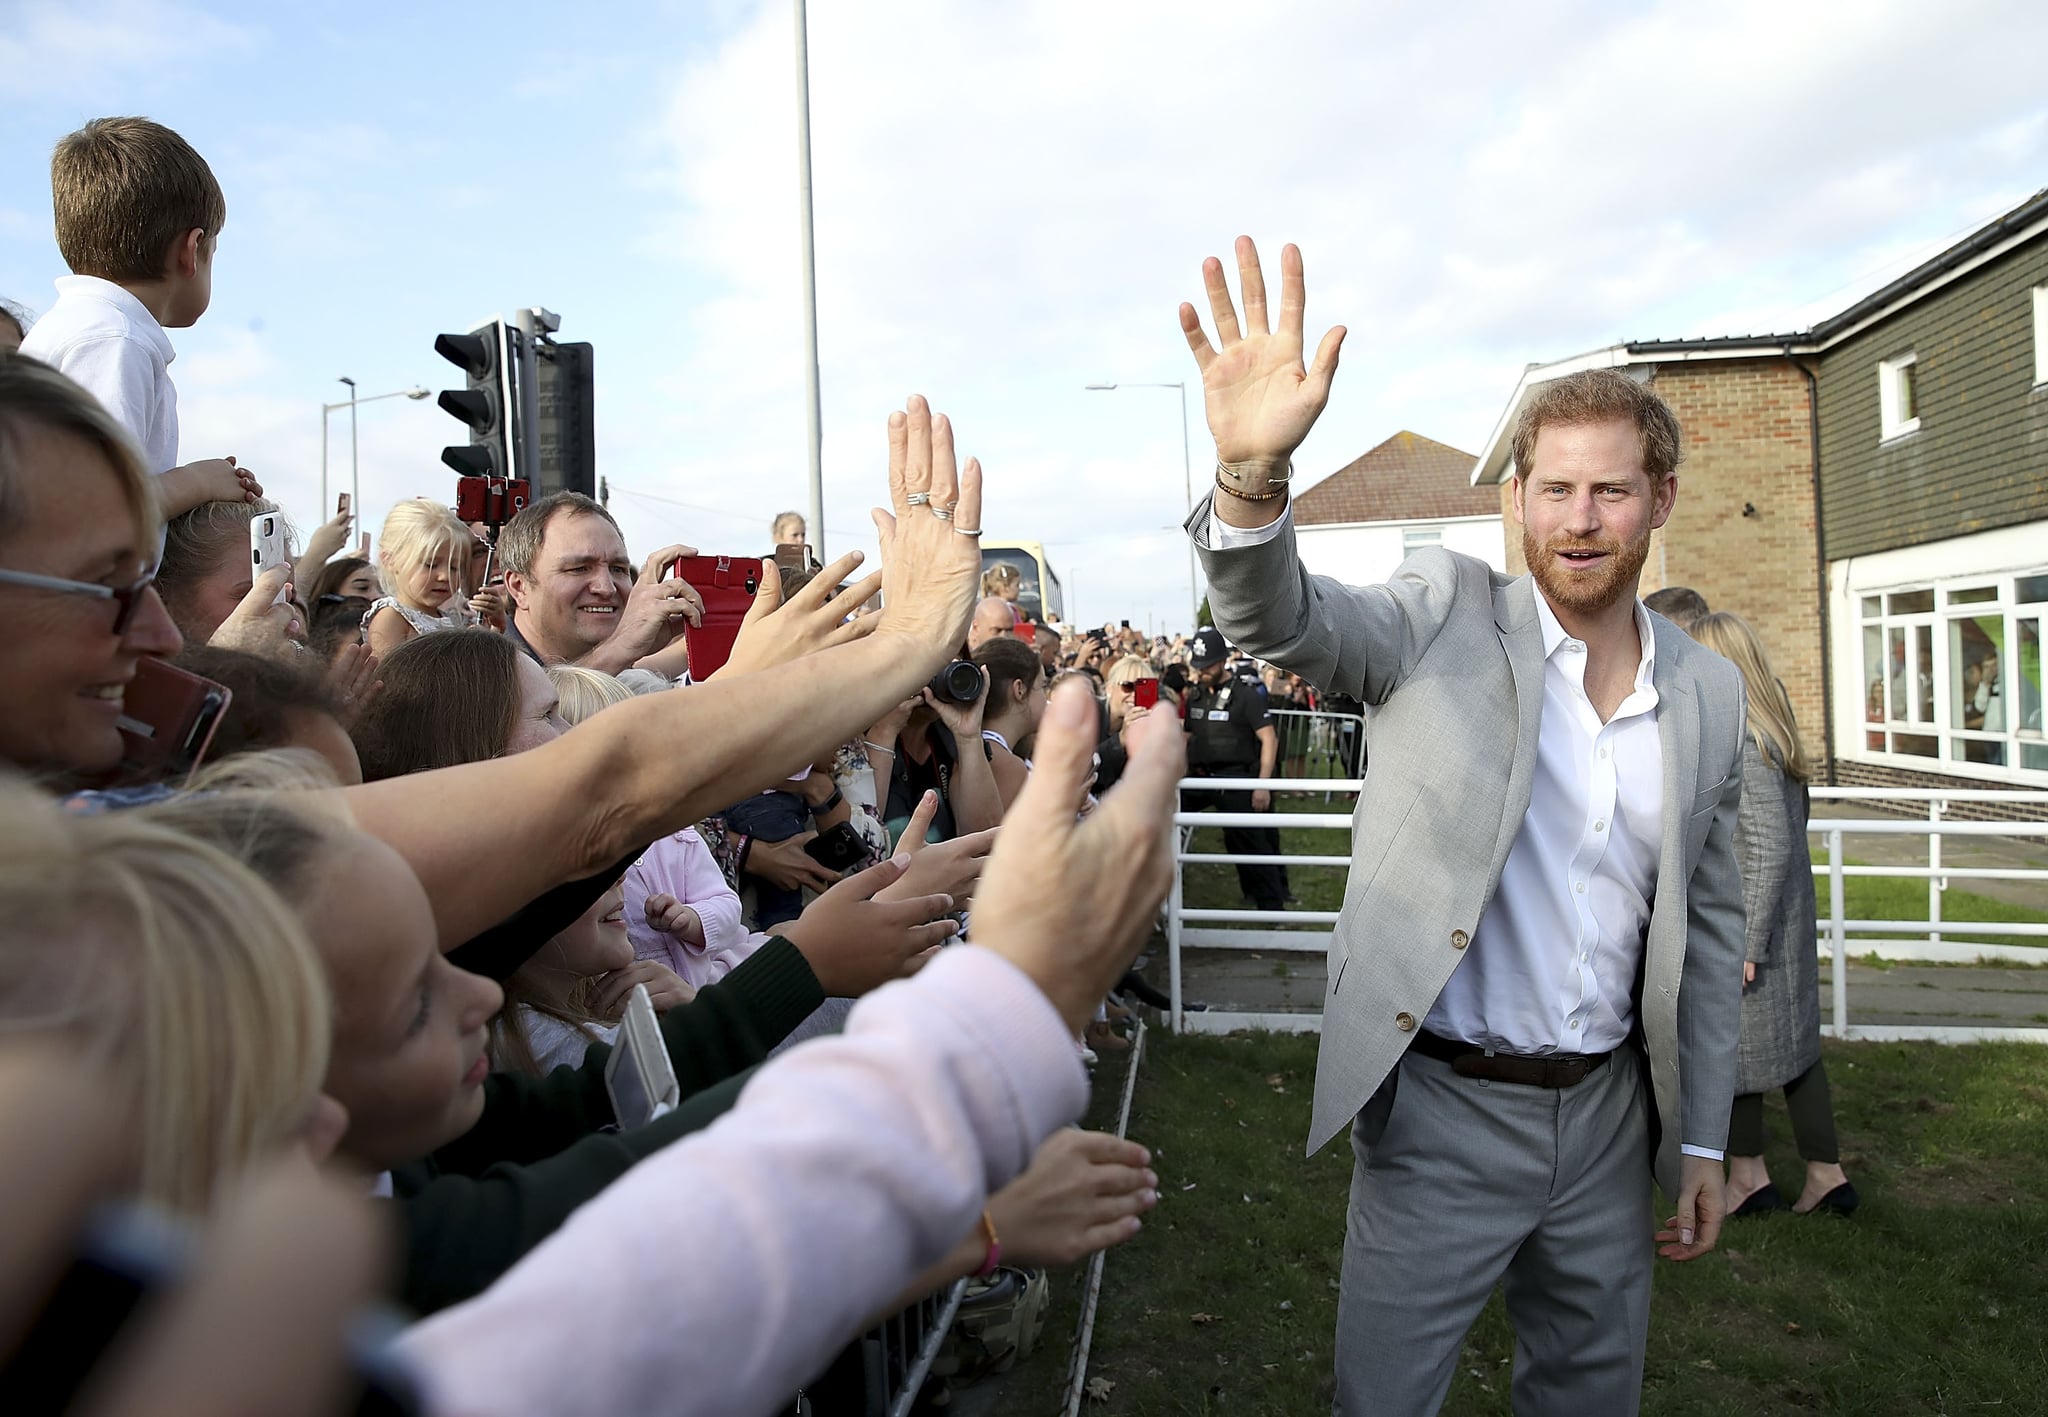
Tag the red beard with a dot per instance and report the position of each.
(1588, 591)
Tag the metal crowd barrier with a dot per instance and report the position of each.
(1237, 929)
(895, 1358)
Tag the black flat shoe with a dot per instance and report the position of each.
(1763, 1202)
(1842, 1200)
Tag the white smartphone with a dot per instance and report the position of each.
(638, 1075)
(267, 546)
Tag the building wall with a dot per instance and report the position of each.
(1979, 459)
(1748, 441)
(1368, 553)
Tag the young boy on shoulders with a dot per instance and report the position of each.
(138, 214)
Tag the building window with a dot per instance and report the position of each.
(1414, 538)
(1952, 672)
(1898, 400)
(2041, 334)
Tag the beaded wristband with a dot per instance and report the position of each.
(1231, 477)
(995, 1247)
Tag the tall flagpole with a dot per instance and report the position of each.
(811, 402)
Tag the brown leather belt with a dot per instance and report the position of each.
(1467, 1060)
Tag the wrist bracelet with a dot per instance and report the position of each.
(829, 803)
(740, 861)
(870, 743)
(995, 1247)
(1232, 477)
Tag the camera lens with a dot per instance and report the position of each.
(958, 683)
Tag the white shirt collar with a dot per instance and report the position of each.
(105, 291)
(1555, 634)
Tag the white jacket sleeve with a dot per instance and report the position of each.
(848, 1167)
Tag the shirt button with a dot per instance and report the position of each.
(1599, 826)
(1575, 1023)
(1459, 939)
(1579, 886)
(1405, 1022)
(1603, 752)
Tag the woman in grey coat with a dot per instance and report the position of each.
(1781, 974)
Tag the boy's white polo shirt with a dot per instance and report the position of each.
(106, 340)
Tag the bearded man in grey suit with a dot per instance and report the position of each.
(1535, 983)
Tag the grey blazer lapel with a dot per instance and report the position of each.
(1521, 636)
(1678, 733)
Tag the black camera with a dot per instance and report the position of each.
(958, 683)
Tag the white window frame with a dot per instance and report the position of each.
(2022, 742)
(1891, 378)
(2041, 334)
(1415, 538)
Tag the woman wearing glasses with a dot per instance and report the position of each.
(77, 551)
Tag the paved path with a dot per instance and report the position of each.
(1975, 995)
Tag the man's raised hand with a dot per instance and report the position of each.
(1260, 399)
(931, 573)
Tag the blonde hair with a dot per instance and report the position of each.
(35, 396)
(126, 189)
(1602, 396)
(1771, 721)
(419, 533)
(999, 577)
(584, 692)
(176, 969)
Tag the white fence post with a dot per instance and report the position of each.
(1173, 927)
(1935, 884)
(1838, 916)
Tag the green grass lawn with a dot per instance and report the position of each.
(1903, 898)
(1928, 1301)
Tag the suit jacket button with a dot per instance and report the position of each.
(1405, 1022)
(1459, 939)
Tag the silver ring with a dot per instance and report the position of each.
(942, 513)
(963, 531)
(918, 499)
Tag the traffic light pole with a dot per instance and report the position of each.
(811, 401)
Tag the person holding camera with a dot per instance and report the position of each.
(928, 755)
(1015, 706)
(1231, 734)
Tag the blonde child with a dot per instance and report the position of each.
(420, 559)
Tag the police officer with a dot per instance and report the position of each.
(1231, 734)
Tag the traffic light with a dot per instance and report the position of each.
(565, 421)
(488, 406)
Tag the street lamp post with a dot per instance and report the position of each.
(1187, 472)
(350, 403)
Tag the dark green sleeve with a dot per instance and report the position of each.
(727, 1028)
(462, 1232)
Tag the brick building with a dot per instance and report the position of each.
(1359, 523)
(1872, 495)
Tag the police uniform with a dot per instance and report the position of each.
(1223, 723)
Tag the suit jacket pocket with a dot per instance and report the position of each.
(1708, 798)
(1370, 1125)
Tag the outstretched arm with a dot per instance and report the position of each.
(486, 837)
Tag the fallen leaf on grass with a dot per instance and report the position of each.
(1190, 1186)
(1792, 1328)
(1287, 1305)
(1099, 1389)
(1201, 1318)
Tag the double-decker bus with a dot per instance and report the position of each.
(1039, 593)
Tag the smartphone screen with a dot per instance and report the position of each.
(341, 505)
(638, 1075)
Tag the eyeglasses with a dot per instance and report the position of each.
(126, 598)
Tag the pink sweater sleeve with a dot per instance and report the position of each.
(848, 1167)
(682, 866)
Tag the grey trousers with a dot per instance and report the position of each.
(1460, 1183)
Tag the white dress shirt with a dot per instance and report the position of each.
(1553, 961)
(104, 339)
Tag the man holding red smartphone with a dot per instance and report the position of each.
(575, 597)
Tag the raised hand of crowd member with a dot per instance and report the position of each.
(193, 484)
(973, 794)
(1260, 399)
(665, 988)
(941, 868)
(323, 545)
(854, 941)
(670, 916)
(786, 865)
(654, 614)
(817, 617)
(492, 607)
(266, 620)
(352, 680)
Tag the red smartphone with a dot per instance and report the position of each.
(1144, 693)
(168, 718)
(728, 584)
(491, 500)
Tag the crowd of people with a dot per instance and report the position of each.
(332, 879)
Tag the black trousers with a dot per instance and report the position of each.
(1811, 1110)
(1265, 885)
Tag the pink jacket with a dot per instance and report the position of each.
(847, 1168)
(682, 866)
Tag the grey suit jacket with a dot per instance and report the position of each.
(1448, 657)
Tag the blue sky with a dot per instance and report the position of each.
(1011, 200)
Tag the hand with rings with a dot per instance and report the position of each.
(930, 576)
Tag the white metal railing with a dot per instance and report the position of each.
(1195, 928)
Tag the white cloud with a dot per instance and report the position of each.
(81, 47)
(1011, 200)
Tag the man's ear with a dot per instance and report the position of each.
(516, 587)
(1521, 486)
